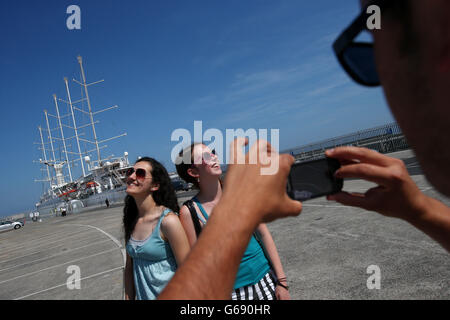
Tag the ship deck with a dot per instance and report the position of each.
(325, 253)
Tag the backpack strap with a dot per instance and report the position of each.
(190, 205)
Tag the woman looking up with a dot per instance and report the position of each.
(260, 274)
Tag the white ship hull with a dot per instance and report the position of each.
(51, 207)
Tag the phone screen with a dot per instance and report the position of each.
(314, 179)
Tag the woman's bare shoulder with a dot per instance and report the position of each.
(170, 222)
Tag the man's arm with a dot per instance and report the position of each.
(434, 221)
(396, 194)
(211, 267)
(248, 199)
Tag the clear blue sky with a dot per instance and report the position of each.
(232, 64)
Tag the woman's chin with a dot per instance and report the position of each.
(131, 191)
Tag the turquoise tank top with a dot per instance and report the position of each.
(254, 264)
(153, 263)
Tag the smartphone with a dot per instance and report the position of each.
(312, 179)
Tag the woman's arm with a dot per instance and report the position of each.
(130, 292)
(281, 292)
(173, 231)
(188, 225)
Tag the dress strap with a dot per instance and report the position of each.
(163, 214)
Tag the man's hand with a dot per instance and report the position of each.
(396, 194)
(262, 192)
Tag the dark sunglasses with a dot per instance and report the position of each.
(358, 58)
(140, 173)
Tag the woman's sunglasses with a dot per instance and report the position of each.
(140, 173)
(208, 156)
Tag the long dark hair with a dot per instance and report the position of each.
(164, 196)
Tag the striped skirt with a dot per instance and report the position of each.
(262, 290)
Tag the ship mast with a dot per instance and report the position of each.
(45, 156)
(62, 137)
(91, 114)
(58, 167)
(50, 135)
(75, 126)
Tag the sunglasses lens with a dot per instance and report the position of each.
(207, 157)
(129, 172)
(140, 173)
(361, 61)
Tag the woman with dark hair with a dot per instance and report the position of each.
(155, 240)
(260, 275)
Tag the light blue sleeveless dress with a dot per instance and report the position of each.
(153, 263)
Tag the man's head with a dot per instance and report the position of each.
(412, 54)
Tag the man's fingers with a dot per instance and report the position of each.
(293, 207)
(345, 162)
(372, 200)
(369, 172)
(361, 154)
(262, 151)
(349, 199)
(236, 153)
(264, 146)
(288, 208)
(286, 162)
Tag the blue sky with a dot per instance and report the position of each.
(231, 64)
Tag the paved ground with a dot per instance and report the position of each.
(325, 252)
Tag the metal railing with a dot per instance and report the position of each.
(384, 139)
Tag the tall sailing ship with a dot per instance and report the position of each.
(102, 180)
